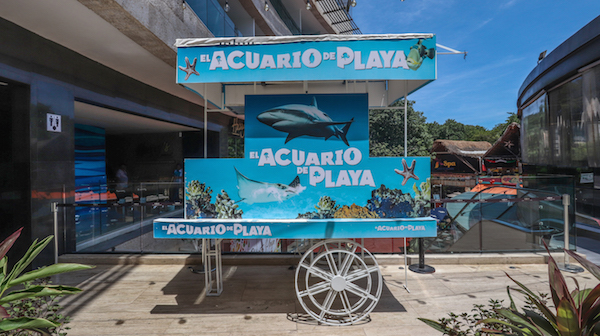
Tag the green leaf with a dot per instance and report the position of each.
(544, 326)
(591, 308)
(3, 265)
(37, 291)
(435, 325)
(593, 269)
(515, 328)
(517, 318)
(33, 251)
(558, 285)
(567, 320)
(579, 296)
(536, 300)
(512, 303)
(26, 323)
(48, 271)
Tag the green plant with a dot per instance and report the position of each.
(575, 313)
(16, 277)
(467, 324)
(46, 307)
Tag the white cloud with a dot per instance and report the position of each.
(508, 4)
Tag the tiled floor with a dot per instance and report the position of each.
(260, 300)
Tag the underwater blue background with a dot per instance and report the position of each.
(339, 107)
(219, 174)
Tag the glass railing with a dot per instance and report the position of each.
(214, 17)
(104, 218)
(496, 217)
(485, 217)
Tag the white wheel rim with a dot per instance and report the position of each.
(342, 292)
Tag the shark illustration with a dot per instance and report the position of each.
(252, 191)
(298, 120)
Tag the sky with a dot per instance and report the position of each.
(503, 39)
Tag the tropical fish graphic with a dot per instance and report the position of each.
(298, 120)
(417, 54)
(252, 191)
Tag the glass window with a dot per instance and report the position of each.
(214, 17)
(568, 140)
(535, 140)
(591, 115)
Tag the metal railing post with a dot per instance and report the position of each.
(566, 201)
(55, 213)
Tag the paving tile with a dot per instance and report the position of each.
(260, 300)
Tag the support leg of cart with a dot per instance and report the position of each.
(212, 254)
(337, 286)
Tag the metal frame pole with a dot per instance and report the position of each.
(405, 267)
(205, 120)
(405, 118)
(566, 201)
(54, 208)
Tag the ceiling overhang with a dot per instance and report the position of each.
(77, 27)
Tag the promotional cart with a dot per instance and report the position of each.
(306, 172)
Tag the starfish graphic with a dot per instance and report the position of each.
(189, 69)
(407, 172)
(508, 144)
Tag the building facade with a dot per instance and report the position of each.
(87, 89)
(559, 106)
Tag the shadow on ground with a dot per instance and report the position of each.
(247, 289)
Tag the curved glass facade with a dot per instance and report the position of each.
(561, 135)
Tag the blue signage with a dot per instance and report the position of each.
(369, 59)
(295, 229)
(307, 157)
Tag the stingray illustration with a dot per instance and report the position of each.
(407, 172)
(252, 191)
(298, 120)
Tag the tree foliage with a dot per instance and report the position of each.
(386, 131)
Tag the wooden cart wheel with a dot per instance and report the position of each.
(335, 285)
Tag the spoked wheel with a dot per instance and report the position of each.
(335, 285)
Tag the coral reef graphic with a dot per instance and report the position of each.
(355, 211)
(198, 200)
(226, 207)
(198, 203)
(393, 203)
(384, 203)
(326, 208)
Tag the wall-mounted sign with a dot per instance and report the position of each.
(586, 178)
(360, 59)
(53, 122)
